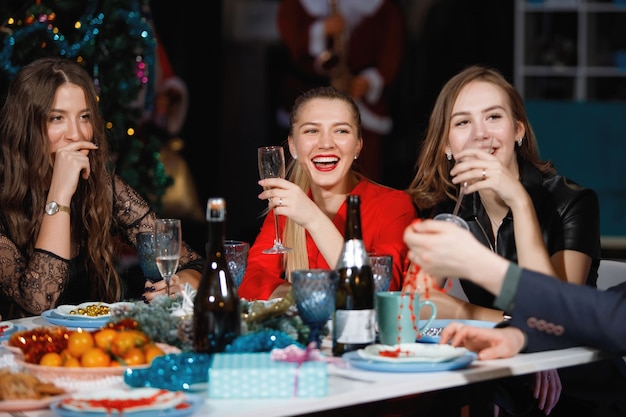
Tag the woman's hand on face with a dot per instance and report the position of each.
(288, 199)
(70, 163)
(483, 171)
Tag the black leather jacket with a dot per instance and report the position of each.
(568, 215)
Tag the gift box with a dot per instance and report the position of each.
(257, 375)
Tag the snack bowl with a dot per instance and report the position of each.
(29, 346)
(60, 374)
(91, 310)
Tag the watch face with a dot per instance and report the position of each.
(52, 207)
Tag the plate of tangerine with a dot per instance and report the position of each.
(55, 353)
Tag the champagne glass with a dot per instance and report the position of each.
(272, 165)
(167, 243)
(485, 145)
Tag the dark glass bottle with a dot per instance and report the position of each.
(217, 310)
(354, 318)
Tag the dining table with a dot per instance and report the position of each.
(350, 386)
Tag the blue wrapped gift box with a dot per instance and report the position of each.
(256, 375)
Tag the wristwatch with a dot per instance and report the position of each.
(53, 208)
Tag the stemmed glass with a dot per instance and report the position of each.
(272, 165)
(146, 256)
(314, 291)
(485, 145)
(167, 243)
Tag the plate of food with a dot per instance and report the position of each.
(23, 391)
(355, 360)
(62, 374)
(60, 355)
(138, 402)
(52, 317)
(7, 334)
(410, 353)
(6, 327)
(90, 310)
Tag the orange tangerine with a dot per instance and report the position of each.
(65, 355)
(134, 356)
(152, 351)
(71, 362)
(104, 337)
(79, 342)
(94, 357)
(122, 342)
(51, 359)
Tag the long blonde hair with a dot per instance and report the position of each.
(294, 235)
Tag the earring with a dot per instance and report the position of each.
(355, 157)
(294, 156)
(519, 141)
(449, 154)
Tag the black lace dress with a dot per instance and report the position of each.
(30, 286)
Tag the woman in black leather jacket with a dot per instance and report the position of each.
(515, 203)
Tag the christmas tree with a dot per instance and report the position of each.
(114, 41)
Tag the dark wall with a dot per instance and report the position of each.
(190, 31)
(452, 35)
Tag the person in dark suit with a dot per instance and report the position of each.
(546, 313)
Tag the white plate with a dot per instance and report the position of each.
(74, 323)
(68, 311)
(185, 409)
(6, 327)
(123, 400)
(7, 334)
(411, 352)
(356, 361)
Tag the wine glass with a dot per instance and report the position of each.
(272, 165)
(167, 243)
(382, 266)
(236, 252)
(314, 291)
(485, 145)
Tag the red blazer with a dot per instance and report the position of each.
(385, 213)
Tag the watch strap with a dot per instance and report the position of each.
(53, 208)
(64, 208)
